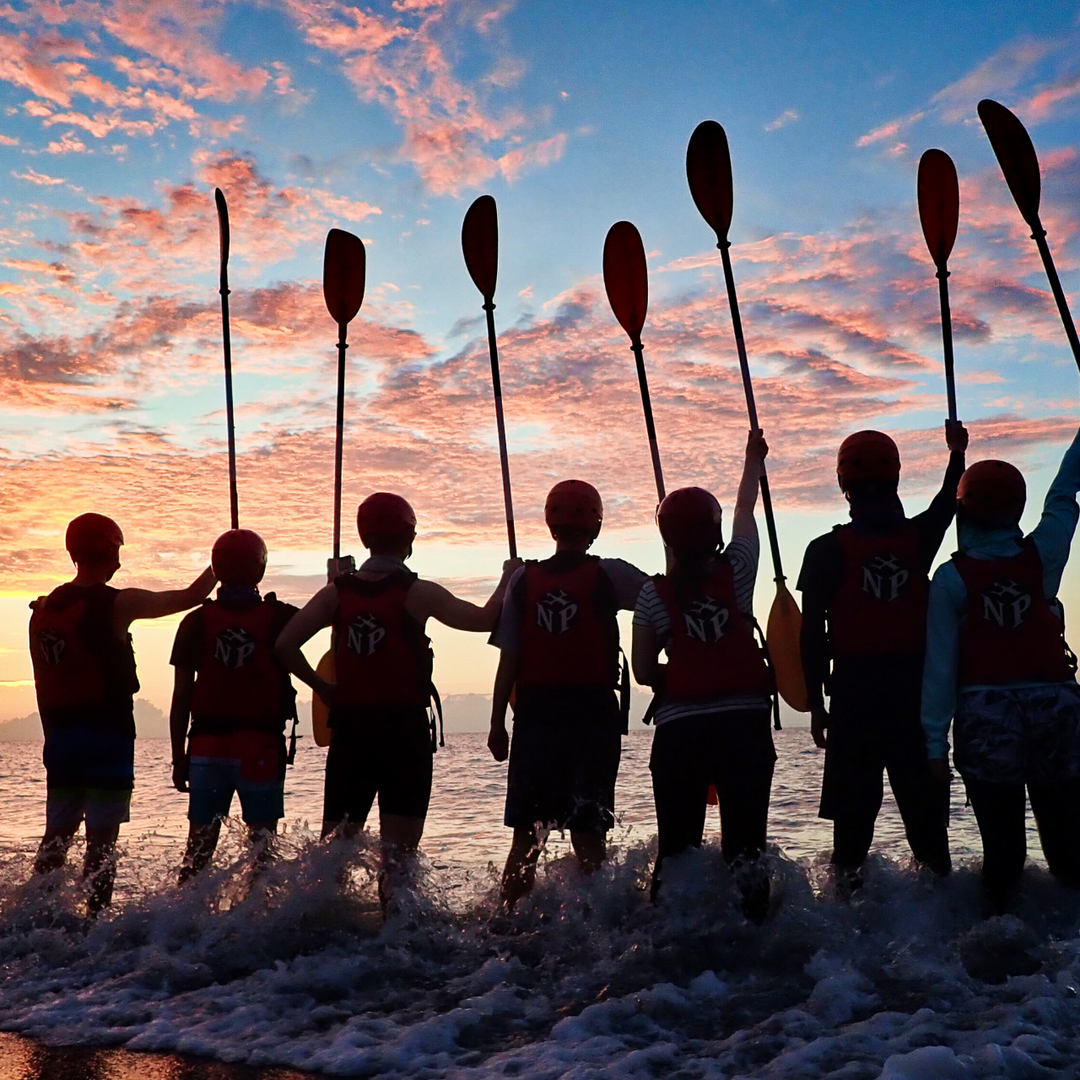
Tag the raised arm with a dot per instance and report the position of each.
(132, 604)
(935, 520)
(743, 523)
(428, 600)
(316, 614)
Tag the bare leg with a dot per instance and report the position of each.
(99, 867)
(53, 849)
(201, 842)
(261, 837)
(590, 848)
(519, 874)
(399, 839)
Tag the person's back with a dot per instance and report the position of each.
(381, 740)
(559, 654)
(85, 676)
(238, 698)
(998, 663)
(865, 587)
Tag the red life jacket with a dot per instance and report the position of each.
(1010, 633)
(570, 637)
(712, 652)
(238, 683)
(79, 664)
(880, 607)
(383, 656)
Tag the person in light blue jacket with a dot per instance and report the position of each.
(997, 662)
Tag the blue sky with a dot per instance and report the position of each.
(117, 119)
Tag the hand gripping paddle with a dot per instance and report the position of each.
(223, 233)
(939, 212)
(1016, 156)
(344, 269)
(480, 246)
(626, 279)
(708, 171)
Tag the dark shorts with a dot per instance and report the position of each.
(731, 750)
(386, 753)
(89, 775)
(249, 763)
(874, 725)
(564, 758)
(1019, 735)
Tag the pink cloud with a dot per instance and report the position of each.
(41, 179)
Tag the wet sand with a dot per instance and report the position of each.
(22, 1059)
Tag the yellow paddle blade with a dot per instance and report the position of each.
(320, 711)
(782, 636)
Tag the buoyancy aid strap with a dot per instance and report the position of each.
(435, 709)
(624, 695)
(774, 696)
(290, 756)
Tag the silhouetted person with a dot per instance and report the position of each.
(238, 698)
(84, 673)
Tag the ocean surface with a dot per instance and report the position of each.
(294, 969)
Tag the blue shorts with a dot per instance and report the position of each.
(89, 776)
(249, 763)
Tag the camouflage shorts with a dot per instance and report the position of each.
(1019, 735)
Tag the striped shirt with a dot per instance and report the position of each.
(742, 553)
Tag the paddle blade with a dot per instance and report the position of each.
(223, 227)
(939, 204)
(480, 245)
(782, 635)
(1016, 156)
(626, 277)
(320, 711)
(344, 267)
(708, 170)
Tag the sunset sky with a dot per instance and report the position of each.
(119, 117)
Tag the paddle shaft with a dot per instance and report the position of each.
(500, 423)
(946, 340)
(650, 427)
(1039, 236)
(234, 502)
(342, 345)
(736, 323)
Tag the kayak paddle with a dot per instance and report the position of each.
(708, 171)
(1020, 165)
(939, 212)
(480, 246)
(344, 269)
(626, 279)
(223, 233)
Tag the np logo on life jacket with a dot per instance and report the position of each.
(556, 611)
(1006, 604)
(365, 634)
(234, 647)
(51, 645)
(706, 620)
(885, 577)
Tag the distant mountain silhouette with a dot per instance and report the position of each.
(150, 723)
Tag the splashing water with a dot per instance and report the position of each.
(295, 967)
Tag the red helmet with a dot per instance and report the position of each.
(689, 520)
(92, 536)
(239, 557)
(574, 504)
(867, 455)
(384, 516)
(992, 491)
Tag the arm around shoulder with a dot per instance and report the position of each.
(132, 604)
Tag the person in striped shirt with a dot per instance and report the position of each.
(713, 695)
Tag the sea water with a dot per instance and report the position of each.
(294, 967)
